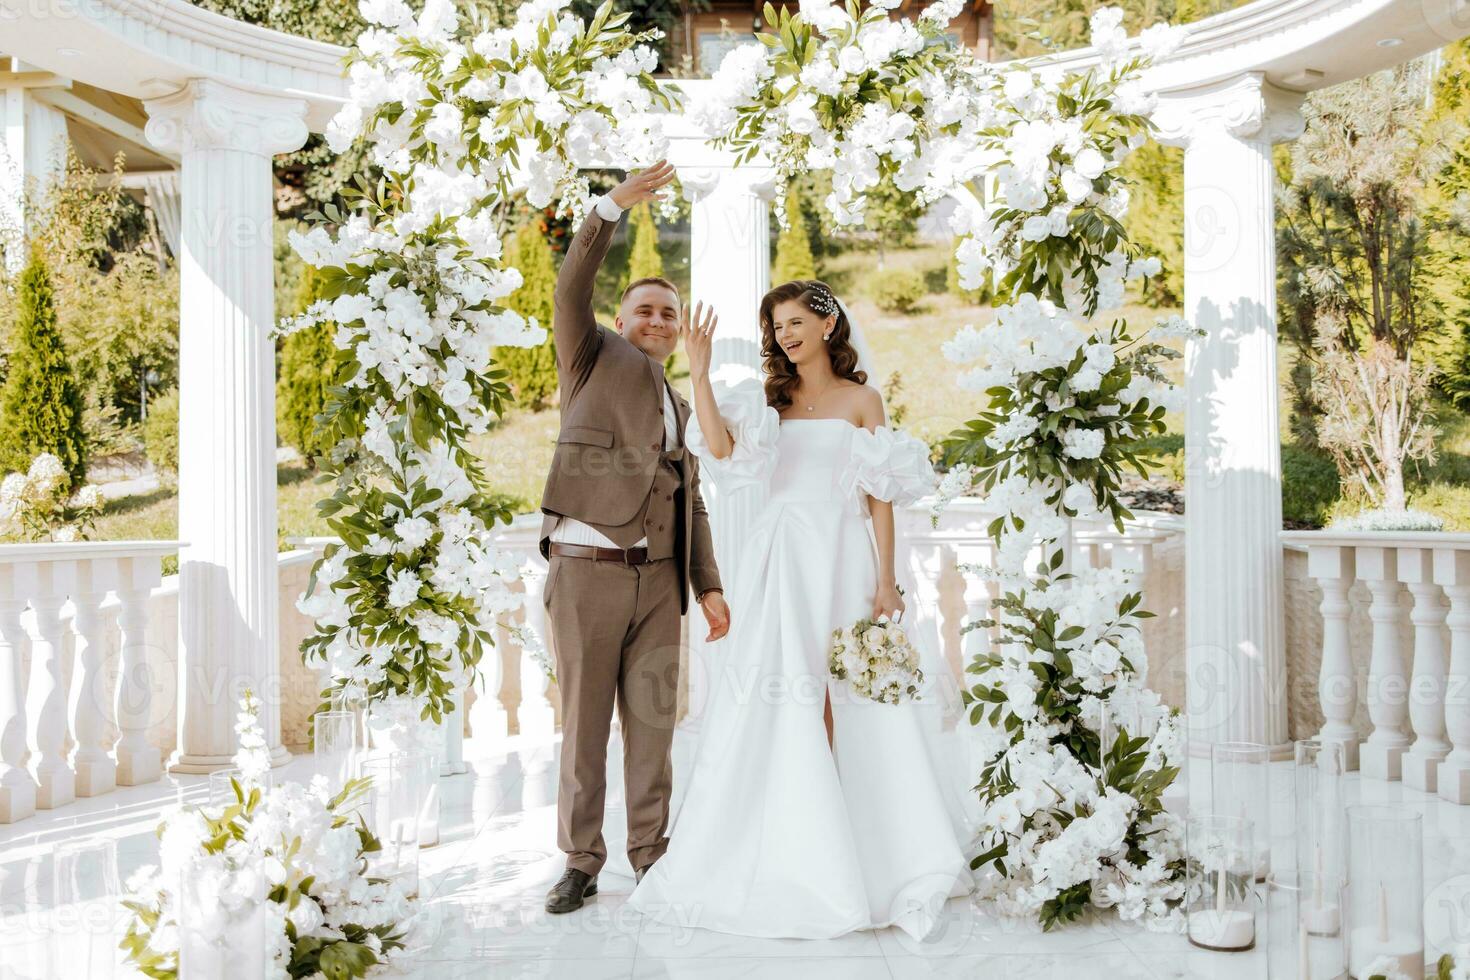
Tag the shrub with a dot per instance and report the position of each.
(532, 370)
(41, 403)
(793, 246)
(1388, 520)
(898, 290)
(644, 260)
(308, 360)
(161, 434)
(1309, 486)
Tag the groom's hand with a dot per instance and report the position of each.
(643, 185)
(716, 614)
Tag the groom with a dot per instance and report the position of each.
(626, 536)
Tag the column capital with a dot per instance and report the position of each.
(1245, 107)
(209, 115)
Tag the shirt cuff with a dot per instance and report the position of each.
(607, 209)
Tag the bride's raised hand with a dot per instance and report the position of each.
(698, 333)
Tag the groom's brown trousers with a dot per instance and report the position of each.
(615, 629)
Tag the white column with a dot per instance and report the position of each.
(32, 147)
(1337, 682)
(228, 591)
(1452, 572)
(1381, 757)
(89, 706)
(1234, 614)
(729, 269)
(17, 789)
(1426, 683)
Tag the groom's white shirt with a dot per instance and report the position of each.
(569, 530)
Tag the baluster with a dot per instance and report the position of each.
(535, 714)
(90, 704)
(1426, 684)
(46, 694)
(137, 761)
(451, 761)
(1382, 755)
(1452, 572)
(488, 717)
(17, 789)
(1337, 684)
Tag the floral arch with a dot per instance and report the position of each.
(406, 602)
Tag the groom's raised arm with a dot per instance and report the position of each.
(573, 322)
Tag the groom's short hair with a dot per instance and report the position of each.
(651, 281)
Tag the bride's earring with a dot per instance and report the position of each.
(826, 336)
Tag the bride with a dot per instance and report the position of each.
(810, 811)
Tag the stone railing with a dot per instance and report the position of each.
(89, 663)
(1415, 684)
(76, 693)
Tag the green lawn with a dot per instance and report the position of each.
(928, 403)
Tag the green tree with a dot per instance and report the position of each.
(532, 369)
(644, 259)
(41, 403)
(1355, 248)
(308, 362)
(1450, 200)
(793, 246)
(1155, 219)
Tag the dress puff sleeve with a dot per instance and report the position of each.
(887, 465)
(755, 427)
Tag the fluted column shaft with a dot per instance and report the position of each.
(228, 593)
(729, 269)
(1235, 619)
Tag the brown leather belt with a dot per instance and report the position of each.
(631, 556)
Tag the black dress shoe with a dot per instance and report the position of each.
(568, 894)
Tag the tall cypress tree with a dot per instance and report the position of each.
(643, 258)
(532, 369)
(41, 402)
(308, 360)
(793, 246)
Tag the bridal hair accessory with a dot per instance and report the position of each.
(822, 301)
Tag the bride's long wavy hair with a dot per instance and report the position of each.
(781, 377)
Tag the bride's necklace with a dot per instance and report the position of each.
(812, 405)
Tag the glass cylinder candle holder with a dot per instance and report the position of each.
(334, 746)
(222, 933)
(1304, 940)
(85, 897)
(222, 789)
(1240, 786)
(1385, 895)
(392, 814)
(1220, 900)
(1320, 832)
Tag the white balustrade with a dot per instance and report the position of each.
(1419, 704)
(65, 729)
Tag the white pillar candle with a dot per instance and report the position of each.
(1303, 955)
(1222, 929)
(1405, 952)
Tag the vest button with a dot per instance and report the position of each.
(654, 447)
(668, 496)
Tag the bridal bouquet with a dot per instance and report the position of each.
(876, 658)
(290, 861)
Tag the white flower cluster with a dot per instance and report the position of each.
(252, 756)
(35, 504)
(877, 660)
(456, 121)
(292, 854)
(528, 104)
(868, 97)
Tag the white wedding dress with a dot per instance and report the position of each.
(780, 835)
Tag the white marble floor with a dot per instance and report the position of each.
(497, 856)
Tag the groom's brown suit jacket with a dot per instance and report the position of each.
(611, 440)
